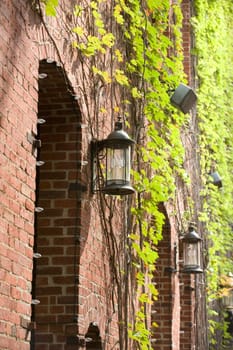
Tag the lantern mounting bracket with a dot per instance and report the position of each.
(96, 147)
(170, 269)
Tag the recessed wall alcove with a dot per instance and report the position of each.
(57, 227)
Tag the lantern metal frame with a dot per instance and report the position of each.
(192, 241)
(116, 151)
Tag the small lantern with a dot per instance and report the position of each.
(192, 251)
(118, 162)
(227, 300)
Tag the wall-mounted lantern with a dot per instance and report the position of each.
(183, 98)
(192, 251)
(116, 149)
(227, 300)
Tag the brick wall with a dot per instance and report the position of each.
(162, 309)
(187, 312)
(71, 280)
(166, 310)
(72, 298)
(187, 282)
(57, 230)
(186, 35)
(18, 99)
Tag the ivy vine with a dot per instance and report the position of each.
(213, 32)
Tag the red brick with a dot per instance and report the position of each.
(62, 149)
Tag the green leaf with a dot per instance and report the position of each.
(78, 30)
(108, 39)
(121, 77)
(50, 7)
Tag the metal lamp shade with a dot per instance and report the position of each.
(217, 181)
(192, 252)
(118, 163)
(183, 98)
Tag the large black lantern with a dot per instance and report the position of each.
(192, 251)
(116, 150)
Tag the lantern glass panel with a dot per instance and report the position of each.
(192, 254)
(118, 166)
(228, 300)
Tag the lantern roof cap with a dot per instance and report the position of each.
(119, 135)
(192, 236)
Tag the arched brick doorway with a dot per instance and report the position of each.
(57, 227)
